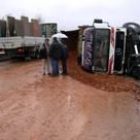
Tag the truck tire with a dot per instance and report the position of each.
(79, 59)
(37, 54)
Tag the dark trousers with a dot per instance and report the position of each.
(55, 66)
(64, 67)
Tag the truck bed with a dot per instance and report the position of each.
(17, 42)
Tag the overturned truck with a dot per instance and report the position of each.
(111, 50)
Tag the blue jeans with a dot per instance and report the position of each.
(55, 66)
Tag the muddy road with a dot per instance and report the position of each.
(36, 107)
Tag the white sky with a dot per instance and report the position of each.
(69, 14)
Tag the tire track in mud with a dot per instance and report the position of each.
(65, 111)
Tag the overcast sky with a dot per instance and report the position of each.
(69, 14)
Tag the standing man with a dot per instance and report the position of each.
(55, 55)
(49, 67)
(64, 57)
(43, 56)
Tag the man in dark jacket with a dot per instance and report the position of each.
(43, 56)
(55, 55)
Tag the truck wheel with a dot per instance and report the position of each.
(79, 60)
(22, 58)
(37, 54)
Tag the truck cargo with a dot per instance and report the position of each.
(36, 28)
(10, 26)
(2, 28)
(25, 26)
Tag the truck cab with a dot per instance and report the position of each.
(103, 48)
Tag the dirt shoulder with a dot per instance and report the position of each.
(102, 81)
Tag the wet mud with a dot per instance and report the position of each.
(80, 106)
